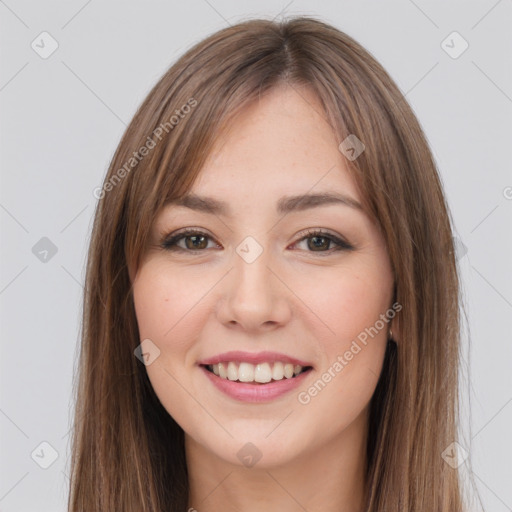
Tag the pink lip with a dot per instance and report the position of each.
(247, 392)
(238, 356)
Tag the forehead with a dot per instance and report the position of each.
(281, 143)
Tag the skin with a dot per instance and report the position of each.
(293, 299)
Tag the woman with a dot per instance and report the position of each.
(271, 314)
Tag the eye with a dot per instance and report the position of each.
(319, 239)
(196, 241)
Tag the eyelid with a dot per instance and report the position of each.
(339, 240)
(169, 241)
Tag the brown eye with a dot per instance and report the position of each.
(194, 241)
(319, 241)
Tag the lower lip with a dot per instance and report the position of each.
(247, 392)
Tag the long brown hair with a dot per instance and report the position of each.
(127, 451)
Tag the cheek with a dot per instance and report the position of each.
(168, 313)
(348, 302)
(166, 304)
(353, 305)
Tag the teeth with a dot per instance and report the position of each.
(232, 371)
(245, 372)
(262, 372)
(223, 374)
(278, 371)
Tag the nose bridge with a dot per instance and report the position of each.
(253, 296)
(252, 276)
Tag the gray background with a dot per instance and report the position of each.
(62, 117)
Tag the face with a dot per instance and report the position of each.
(307, 284)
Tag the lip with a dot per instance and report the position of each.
(247, 392)
(238, 356)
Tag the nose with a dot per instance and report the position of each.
(254, 297)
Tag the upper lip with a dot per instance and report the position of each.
(253, 357)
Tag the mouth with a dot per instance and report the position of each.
(256, 374)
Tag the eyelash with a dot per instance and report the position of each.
(169, 243)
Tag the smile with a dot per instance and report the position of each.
(255, 392)
(261, 373)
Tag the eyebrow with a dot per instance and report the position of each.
(286, 204)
